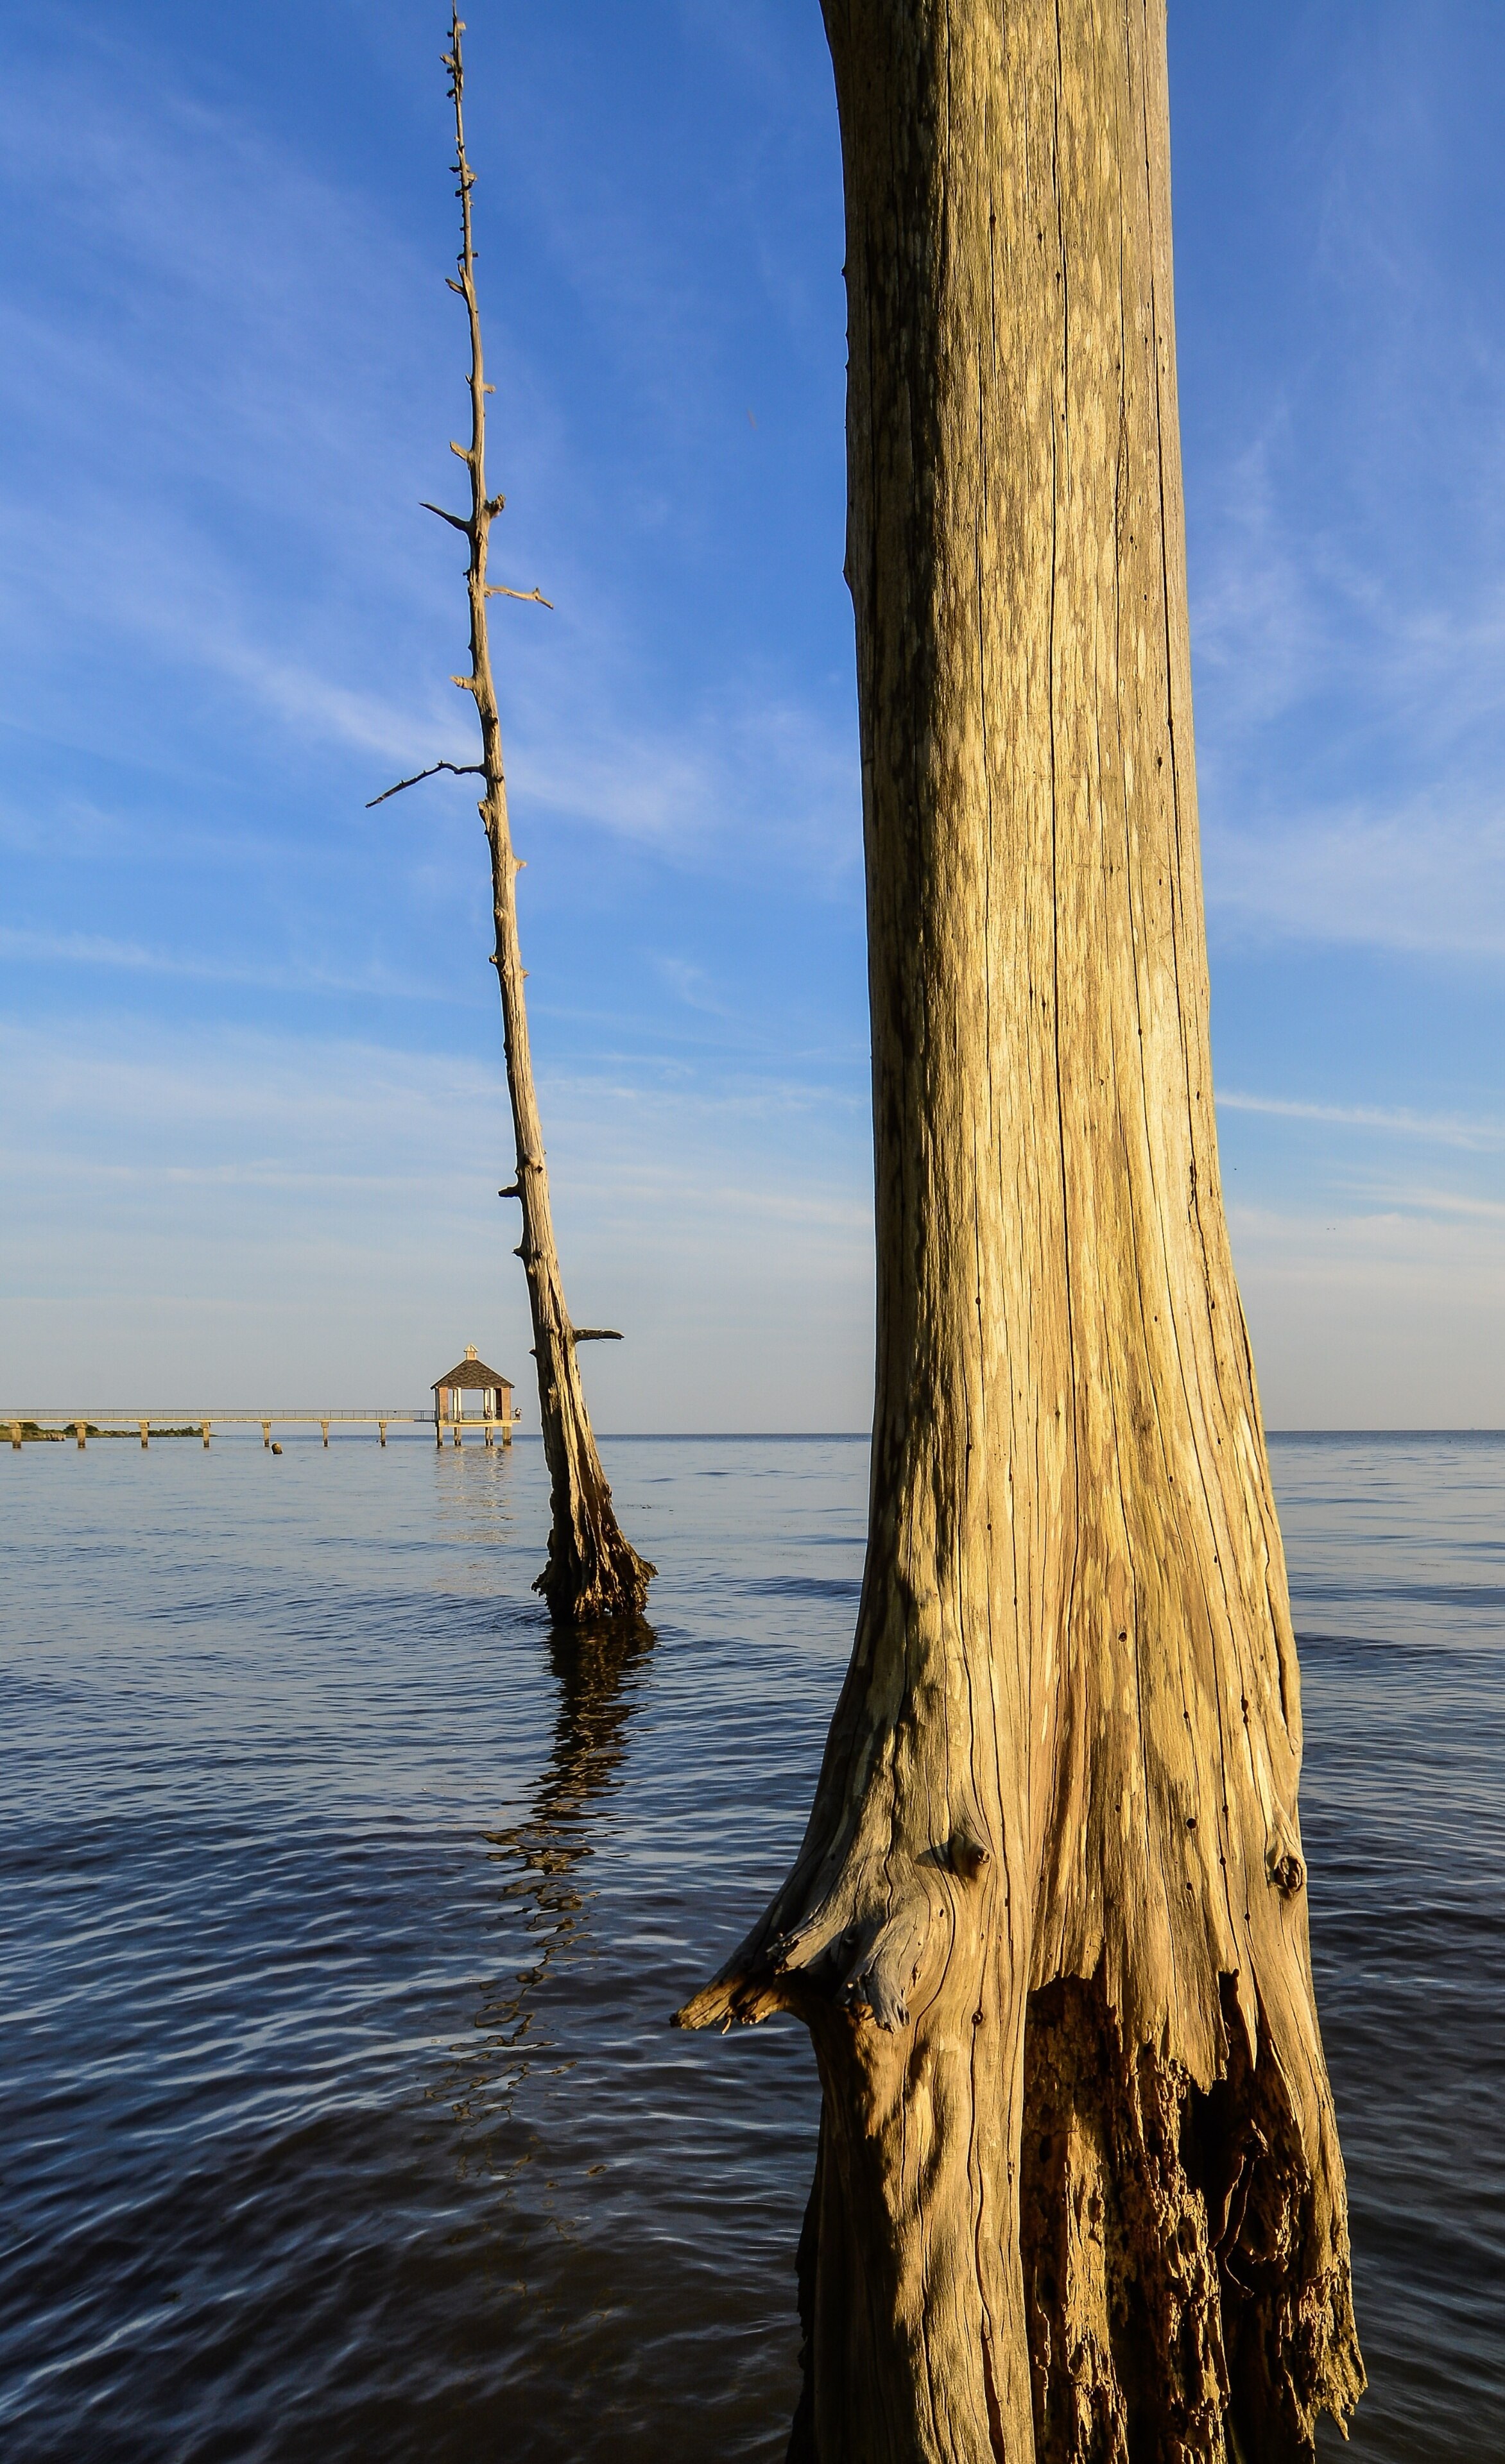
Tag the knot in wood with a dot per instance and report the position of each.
(1286, 1871)
(965, 1854)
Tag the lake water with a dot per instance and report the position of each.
(343, 1911)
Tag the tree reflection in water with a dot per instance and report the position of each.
(596, 1669)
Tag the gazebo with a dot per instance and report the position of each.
(491, 1409)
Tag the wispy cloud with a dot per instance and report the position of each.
(1400, 1228)
(744, 779)
(1447, 1129)
(1412, 880)
(96, 950)
(350, 1190)
(1348, 517)
(1412, 1200)
(1352, 722)
(255, 541)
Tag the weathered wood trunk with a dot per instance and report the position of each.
(1079, 2193)
(592, 1572)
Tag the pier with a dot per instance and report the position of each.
(469, 1398)
(46, 1427)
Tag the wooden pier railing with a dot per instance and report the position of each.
(44, 1425)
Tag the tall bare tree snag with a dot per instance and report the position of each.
(593, 1571)
(1078, 2192)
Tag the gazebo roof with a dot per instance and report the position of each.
(470, 1372)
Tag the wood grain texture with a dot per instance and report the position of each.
(1079, 2193)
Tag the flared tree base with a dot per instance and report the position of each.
(1185, 2299)
(594, 1578)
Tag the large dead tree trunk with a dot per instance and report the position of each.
(1078, 2192)
(592, 1572)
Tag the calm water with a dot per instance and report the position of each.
(343, 1911)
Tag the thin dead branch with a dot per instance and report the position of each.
(457, 770)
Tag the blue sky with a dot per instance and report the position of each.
(254, 1117)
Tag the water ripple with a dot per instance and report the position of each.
(344, 1909)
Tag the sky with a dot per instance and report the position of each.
(253, 1118)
